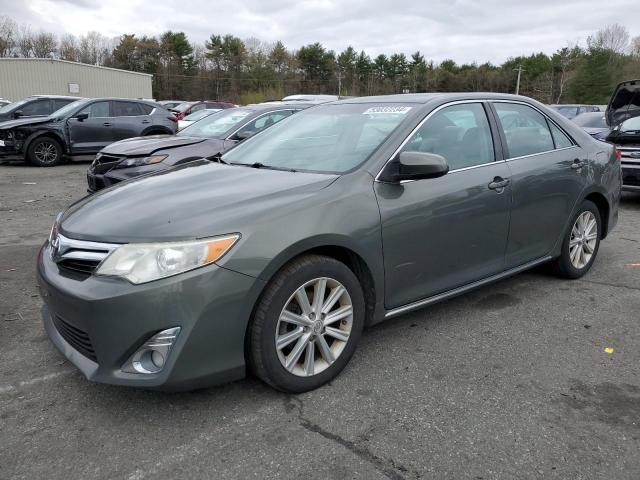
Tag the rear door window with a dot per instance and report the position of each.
(126, 109)
(460, 133)
(58, 103)
(525, 129)
(559, 137)
(146, 109)
(37, 107)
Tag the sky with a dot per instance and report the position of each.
(463, 30)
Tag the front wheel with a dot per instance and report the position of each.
(44, 152)
(307, 324)
(581, 243)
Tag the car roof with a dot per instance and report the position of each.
(260, 107)
(429, 97)
(590, 114)
(64, 97)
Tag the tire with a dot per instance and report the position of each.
(306, 274)
(578, 255)
(45, 152)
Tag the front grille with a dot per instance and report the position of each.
(78, 257)
(631, 180)
(75, 337)
(85, 267)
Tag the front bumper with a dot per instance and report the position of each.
(97, 181)
(212, 305)
(630, 177)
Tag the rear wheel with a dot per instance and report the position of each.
(581, 243)
(307, 324)
(45, 152)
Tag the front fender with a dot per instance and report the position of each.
(39, 133)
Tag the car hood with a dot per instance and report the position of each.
(196, 200)
(625, 96)
(21, 122)
(148, 145)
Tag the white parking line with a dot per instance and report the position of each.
(33, 381)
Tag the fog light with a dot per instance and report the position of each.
(152, 355)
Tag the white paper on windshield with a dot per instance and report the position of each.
(386, 109)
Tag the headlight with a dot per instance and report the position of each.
(138, 162)
(145, 262)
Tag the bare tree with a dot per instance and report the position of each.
(8, 29)
(94, 48)
(44, 44)
(24, 41)
(614, 37)
(635, 46)
(564, 62)
(68, 49)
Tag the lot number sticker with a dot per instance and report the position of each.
(386, 109)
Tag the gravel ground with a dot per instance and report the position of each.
(510, 381)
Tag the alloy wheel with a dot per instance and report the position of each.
(46, 152)
(583, 241)
(314, 327)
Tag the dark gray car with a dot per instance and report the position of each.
(83, 127)
(338, 217)
(205, 138)
(34, 106)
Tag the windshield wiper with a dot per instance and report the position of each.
(267, 167)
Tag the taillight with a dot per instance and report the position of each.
(618, 154)
(173, 118)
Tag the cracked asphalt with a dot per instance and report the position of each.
(509, 381)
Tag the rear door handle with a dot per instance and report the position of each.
(107, 124)
(578, 164)
(498, 183)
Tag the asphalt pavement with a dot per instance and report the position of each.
(533, 377)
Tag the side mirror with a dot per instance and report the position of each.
(242, 135)
(18, 114)
(81, 116)
(415, 166)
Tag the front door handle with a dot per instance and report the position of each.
(107, 124)
(498, 184)
(578, 164)
(146, 121)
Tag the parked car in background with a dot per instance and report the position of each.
(275, 258)
(206, 138)
(169, 104)
(573, 110)
(311, 98)
(187, 108)
(623, 115)
(34, 106)
(83, 127)
(195, 116)
(594, 123)
(4, 102)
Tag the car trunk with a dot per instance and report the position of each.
(624, 103)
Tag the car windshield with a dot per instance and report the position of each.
(183, 107)
(200, 114)
(631, 125)
(214, 126)
(68, 108)
(7, 108)
(587, 120)
(327, 139)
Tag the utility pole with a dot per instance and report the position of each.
(519, 69)
(339, 82)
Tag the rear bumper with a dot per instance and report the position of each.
(212, 305)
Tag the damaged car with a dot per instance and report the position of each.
(205, 138)
(82, 128)
(623, 114)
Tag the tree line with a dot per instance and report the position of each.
(249, 70)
